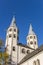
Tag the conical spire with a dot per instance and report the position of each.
(13, 23)
(31, 30)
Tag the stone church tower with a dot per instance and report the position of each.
(32, 39)
(15, 50)
(12, 40)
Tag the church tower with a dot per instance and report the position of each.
(32, 39)
(12, 40)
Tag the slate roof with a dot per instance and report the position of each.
(31, 54)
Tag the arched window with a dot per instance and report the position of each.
(15, 30)
(13, 48)
(34, 63)
(10, 29)
(23, 50)
(14, 35)
(35, 42)
(9, 35)
(31, 42)
(30, 37)
(38, 62)
(27, 51)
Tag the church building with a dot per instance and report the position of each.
(20, 54)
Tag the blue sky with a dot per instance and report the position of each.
(27, 11)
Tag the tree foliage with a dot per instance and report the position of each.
(1, 42)
(3, 55)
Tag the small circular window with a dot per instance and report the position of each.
(31, 42)
(30, 37)
(15, 30)
(23, 50)
(27, 51)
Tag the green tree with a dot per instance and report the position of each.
(3, 55)
(1, 42)
(6, 57)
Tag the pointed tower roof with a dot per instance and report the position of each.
(13, 23)
(31, 30)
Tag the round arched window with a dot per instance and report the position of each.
(30, 37)
(31, 42)
(27, 51)
(15, 30)
(23, 50)
(38, 62)
(10, 35)
(13, 48)
(34, 63)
